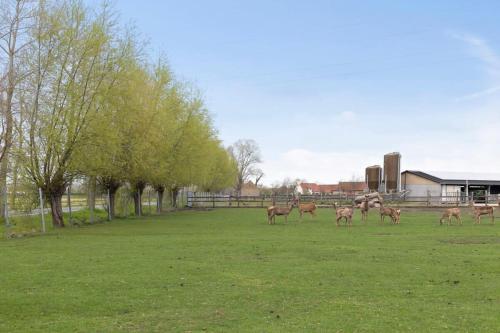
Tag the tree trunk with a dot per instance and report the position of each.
(112, 195)
(56, 209)
(175, 192)
(3, 180)
(139, 188)
(137, 203)
(112, 186)
(160, 189)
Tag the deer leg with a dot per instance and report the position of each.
(459, 219)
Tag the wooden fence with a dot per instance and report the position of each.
(214, 200)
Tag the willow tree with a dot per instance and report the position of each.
(73, 66)
(107, 132)
(139, 131)
(169, 101)
(221, 169)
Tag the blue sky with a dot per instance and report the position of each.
(327, 87)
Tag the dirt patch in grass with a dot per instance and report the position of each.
(472, 240)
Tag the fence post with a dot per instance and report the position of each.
(109, 205)
(262, 202)
(149, 200)
(213, 201)
(6, 206)
(428, 198)
(69, 202)
(41, 208)
(238, 198)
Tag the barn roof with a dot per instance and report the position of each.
(449, 177)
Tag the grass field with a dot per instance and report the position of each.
(228, 271)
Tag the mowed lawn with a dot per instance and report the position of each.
(227, 270)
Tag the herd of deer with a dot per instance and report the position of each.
(346, 213)
(477, 212)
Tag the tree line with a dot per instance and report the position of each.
(79, 97)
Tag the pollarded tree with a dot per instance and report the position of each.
(188, 152)
(107, 134)
(221, 168)
(73, 66)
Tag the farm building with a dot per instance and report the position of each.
(250, 189)
(353, 187)
(313, 188)
(342, 187)
(419, 183)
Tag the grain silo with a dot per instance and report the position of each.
(374, 177)
(392, 172)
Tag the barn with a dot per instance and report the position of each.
(463, 184)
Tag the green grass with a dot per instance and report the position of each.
(228, 271)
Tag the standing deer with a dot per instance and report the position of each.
(393, 213)
(307, 208)
(364, 207)
(343, 212)
(449, 213)
(481, 210)
(273, 211)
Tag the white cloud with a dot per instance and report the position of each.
(322, 167)
(480, 48)
(479, 94)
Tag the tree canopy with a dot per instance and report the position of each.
(94, 105)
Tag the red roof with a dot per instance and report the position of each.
(313, 187)
(353, 186)
(330, 188)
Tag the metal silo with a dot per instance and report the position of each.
(392, 172)
(374, 177)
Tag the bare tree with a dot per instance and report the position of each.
(15, 19)
(246, 153)
(258, 176)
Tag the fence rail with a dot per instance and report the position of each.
(212, 200)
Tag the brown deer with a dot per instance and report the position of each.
(393, 213)
(343, 212)
(481, 210)
(307, 208)
(449, 213)
(274, 211)
(364, 207)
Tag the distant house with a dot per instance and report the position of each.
(329, 189)
(308, 188)
(313, 188)
(250, 189)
